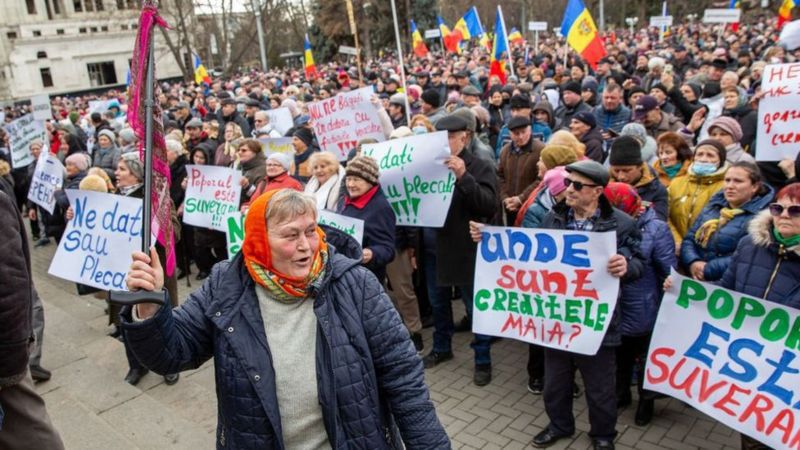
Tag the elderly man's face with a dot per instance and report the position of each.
(228, 109)
(457, 140)
(586, 195)
(471, 100)
(293, 244)
(521, 136)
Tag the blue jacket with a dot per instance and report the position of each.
(762, 268)
(641, 298)
(612, 120)
(370, 379)
(379, 230)
(538, 209)
(722, 245)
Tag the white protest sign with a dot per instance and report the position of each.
(545, 287)
(277, 145)
(234, 233)
(660, 21)
(778, 134)
(280, 119)
(722, 15)
(98, 106)
(48, 177)
(347, 50)
(537, 26)
(433, 33)
(212, 194)
(730, 356)
(341, 121)
(715, 106)
(414, 177)
(99, 240)
(348, 225)
(21, 132)
(41, 107)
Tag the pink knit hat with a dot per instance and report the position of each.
(729, 125)
(554, 180)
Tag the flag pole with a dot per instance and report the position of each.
(400, 57)
(508, 45)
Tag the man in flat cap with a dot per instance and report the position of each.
(517, 171)
(585, 208)
(449, 251)
(228, 113)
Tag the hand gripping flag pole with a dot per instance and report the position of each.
(145, 42)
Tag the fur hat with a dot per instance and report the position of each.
(284, 159)
(729, 125)
(363, 167)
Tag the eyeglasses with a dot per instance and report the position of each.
(776, 209)
(577, 184)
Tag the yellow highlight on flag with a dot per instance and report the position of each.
(583, 32)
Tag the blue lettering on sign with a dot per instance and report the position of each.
(90, 270)
(771, 385)
(701, 344)
(518, 245)
(748, 372)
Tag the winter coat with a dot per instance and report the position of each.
(177, 172)
(668, 122)
(735, 153)
(662, 174)
(282, 181)
(640, 299)
(539, 131)
(651, 190)
(628, 244)
(593, 141)
(722, 244)
(748, 120)
(209, 146)
(535, 213)
(517, 172)
(62, 202)
(379, 230)
(16, 295)
(331, 190)
(235, 118)
(688, 196)
(254, 171)
(564, 113)
(685, 109)
(612, 120)
(107, 160)
(474, 198)
(302, 168)
(370, 381)
(762, 268)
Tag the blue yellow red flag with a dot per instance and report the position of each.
(200, 73)
(417, 44)
(581, 32)
(499, 48)
(311, 69)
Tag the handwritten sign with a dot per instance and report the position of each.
(48, 177)
(21, 132)
(730, 356)
(280, 119)
(722, 15)
(41, 107)
(341, 121)
(414, 177)
(99, 240)
(212, 194)
(276, 145)
(778, 134)
(715, 106)
(98, 106)
(234, 233)
(543, 287)
(348, 225)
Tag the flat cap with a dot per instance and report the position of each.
(518, 122)
(182, 105)
(228, 101)
(194, 123)
(592, 170)
(471, 90)
(451, 123)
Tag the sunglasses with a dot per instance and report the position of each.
(577, 184)
(776, 209)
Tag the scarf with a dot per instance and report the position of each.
(323, 192)
(127, 190)
(672, 170)
(258, 258)
(704, 233)
(786, 242)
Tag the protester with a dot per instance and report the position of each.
(209, 245)
(304, 147)
(326, 180)
(674, 158)
(611, 115)
(310, 289)
(626, 166)
(252, 163)
(709, 244)
(584, 127)
(517, 172)
(278, 169)
(727, 131)
(106, 153)
(226, 152)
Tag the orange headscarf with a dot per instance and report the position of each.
(258, 258)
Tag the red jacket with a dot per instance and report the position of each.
(282, 181)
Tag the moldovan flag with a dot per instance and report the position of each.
(497, 66)
(515, 37)
(469, 25)
(735, 4)
(416, 41)
(200, 74)
(448, 38)
(581, 32)
(311, 69)
(785, 13)
(486, 41)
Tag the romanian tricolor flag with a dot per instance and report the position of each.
(311, 69)
(200, 74)
(785, 13)
(499, 48)
(450, 41)
(417, 43)
(735, 4)
(515, 37)
(581, 32)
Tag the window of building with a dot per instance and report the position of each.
(104, 28)
(60, 31)
(88, 5)
(37, 33)
(98, 5)
(77, 5)
(47, 78)
(93, 29)
(11, 35)
(31, 5)
(102, 73)
(82, 30)
(134, 26)
(124, 26)
(41, 55)
(57, 6)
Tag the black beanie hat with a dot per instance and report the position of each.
(431, 97)
(625, 151)
(305, 135)
(573, 86)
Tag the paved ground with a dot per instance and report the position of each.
(94, 408)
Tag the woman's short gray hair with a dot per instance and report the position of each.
(134, 164)
(287, 204)
(174, 147)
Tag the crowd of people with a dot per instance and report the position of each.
(629, 146)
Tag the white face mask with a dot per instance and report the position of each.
(419, 130)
